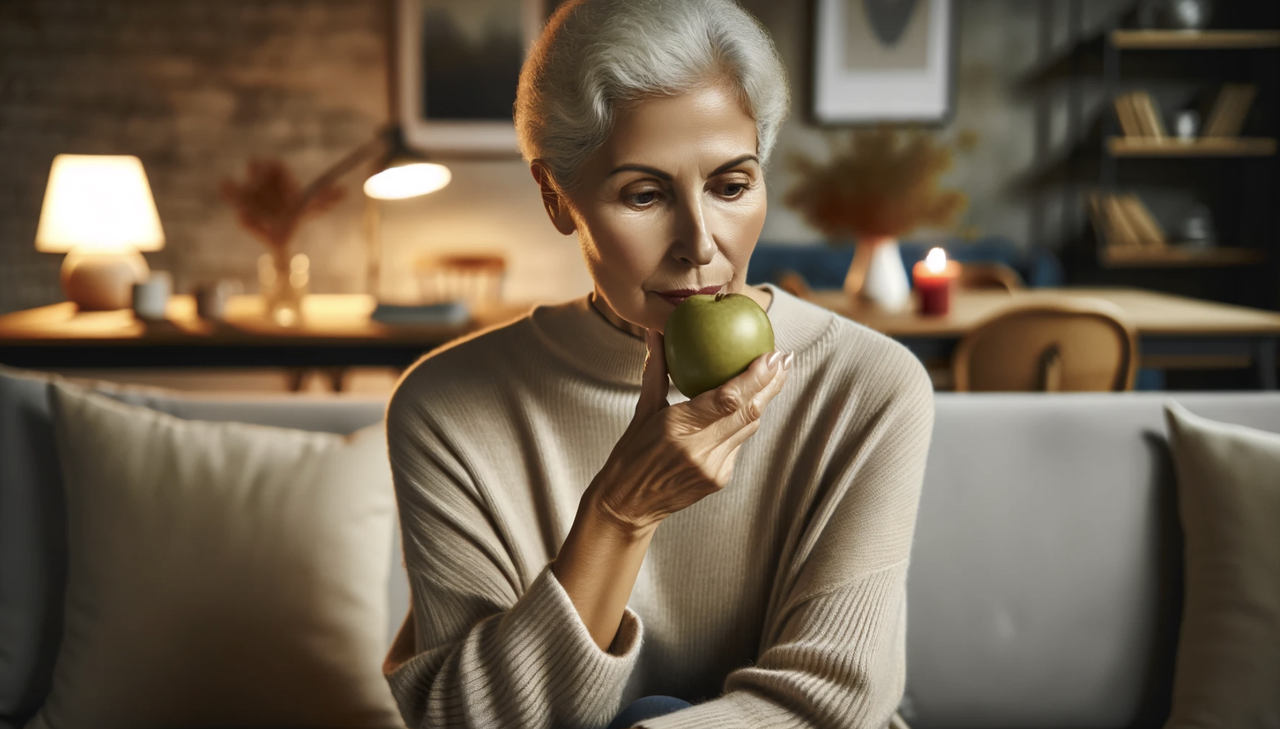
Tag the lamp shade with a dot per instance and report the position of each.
(98, 203)
(407, 179)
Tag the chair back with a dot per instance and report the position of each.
(472, 278)
(1072, 345)
(989, 276)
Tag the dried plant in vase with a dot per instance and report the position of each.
(878, 185)
(271, 205)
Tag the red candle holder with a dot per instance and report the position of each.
(935, 286)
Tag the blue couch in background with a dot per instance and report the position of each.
(824, 266)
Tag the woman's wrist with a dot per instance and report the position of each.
(597, 566)
(598, 514)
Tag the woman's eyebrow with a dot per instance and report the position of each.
(641, 168)
(734, 163)
(666, 176)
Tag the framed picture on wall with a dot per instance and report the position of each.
(457, 66)
(883, 61)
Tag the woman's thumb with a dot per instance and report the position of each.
(655, 386)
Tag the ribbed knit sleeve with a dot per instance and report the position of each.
(833, 653)
(489, 651)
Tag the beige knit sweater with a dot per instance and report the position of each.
(778, 602)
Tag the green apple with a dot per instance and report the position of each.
(710, 339)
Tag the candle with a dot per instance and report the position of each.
(935, 278)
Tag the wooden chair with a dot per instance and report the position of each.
(474, 278)
(1068, 346)
(989, 276)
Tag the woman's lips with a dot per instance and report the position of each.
(679, 295)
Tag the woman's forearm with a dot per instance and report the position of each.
(597, 566)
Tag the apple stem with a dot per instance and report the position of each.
(719, 296)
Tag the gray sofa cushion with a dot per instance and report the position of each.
(32, 511)
(32, 547)
(1045, 583)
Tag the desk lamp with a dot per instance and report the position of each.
(98, 210)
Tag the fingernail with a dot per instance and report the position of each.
(771, 360)
(786, 361)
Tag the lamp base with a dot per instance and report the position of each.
(102, 281)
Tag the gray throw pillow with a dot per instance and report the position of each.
(1228, 664)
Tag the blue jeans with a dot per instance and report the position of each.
(646, 707)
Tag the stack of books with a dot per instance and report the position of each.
(1226, 119)
(1138, 115)
(1122, 221)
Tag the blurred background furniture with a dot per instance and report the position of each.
(336, 333)
(824, 266)
(1174, 332)
(475, 279)
(1045, 588)
(989, 275)
(1063, 346)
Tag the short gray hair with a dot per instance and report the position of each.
(595, 56)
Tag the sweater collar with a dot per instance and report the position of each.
(580, 334)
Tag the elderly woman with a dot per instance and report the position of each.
(580, 535)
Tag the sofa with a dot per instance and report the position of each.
(1044, 589)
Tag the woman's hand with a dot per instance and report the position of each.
(671, 456)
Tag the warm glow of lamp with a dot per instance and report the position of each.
(98, 203)
(401, 181)
(98, 210)
(935, 277)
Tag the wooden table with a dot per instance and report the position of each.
(1174, 332)
(336, 334)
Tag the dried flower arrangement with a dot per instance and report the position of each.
(271, 204)
(880, 183)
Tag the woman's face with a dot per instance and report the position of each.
(674, 199)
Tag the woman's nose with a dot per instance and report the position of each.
(693, 242)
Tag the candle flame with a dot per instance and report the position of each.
(936, 261)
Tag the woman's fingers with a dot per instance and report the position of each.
(654, 386)
(734, 431)
(730, 399)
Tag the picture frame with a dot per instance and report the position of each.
(457, 65)
(880, 61)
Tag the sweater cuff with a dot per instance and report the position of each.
(590, 681)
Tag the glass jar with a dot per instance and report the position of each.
(283, 281)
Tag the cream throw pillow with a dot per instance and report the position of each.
(219, 574)
(1228, 667)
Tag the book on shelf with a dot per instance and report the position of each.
(1150, 116)
(1128, 119)
(1149, 232)
(1123, 221)
(1138, 115)
(1226, 118)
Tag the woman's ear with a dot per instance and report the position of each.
(552, 200)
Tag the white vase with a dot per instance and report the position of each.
(886, 283)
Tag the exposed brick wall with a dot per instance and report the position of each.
(194, 88)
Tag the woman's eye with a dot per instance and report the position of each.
(642, 199)
(733, 189)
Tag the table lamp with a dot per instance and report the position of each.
(98, 210)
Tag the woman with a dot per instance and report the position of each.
(578, 534)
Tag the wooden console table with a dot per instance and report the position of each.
(336, 333)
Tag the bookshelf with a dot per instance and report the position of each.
(1134, 129)
(1180, 256)
(1194, 39)
(1202, 147)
